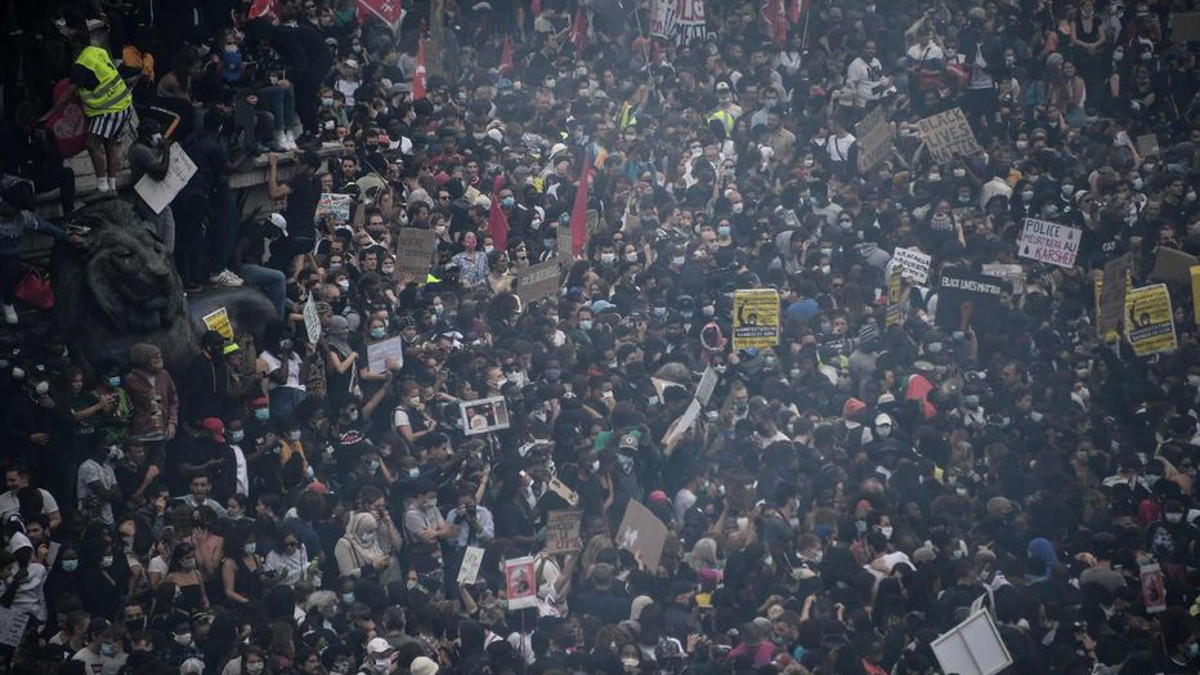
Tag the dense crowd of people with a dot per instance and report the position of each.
(849, 491)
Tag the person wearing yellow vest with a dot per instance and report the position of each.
(107, 103)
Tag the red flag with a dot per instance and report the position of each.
(579, 30)
(387, 11)
(418, 83)
(795, 9)
(267, 8)
(506, 55)
(498, 225)
(773, 12)
(579, 210)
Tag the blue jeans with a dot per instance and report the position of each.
(282, 102)
(272, 283)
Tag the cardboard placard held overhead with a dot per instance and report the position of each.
(378, 353)
(520, 578)
(538, 282)
(334, 205)
(948, 135)
(755, 318)
(468, 572)
(1048, 242)
(219, 321)
(969, 300)
(1147, 145)
(708, 384)
(158, 194)
(913, 264)
(875, 139)
(484, 415)
(1111, 303)
(642, 532)
(1185, 27)
(1149, 322)
(414, 252)
(562, 532)
(680, 426)
(973, 647)
(1172, 266)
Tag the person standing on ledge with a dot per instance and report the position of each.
(107, 103)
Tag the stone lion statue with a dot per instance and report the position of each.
(122, 290)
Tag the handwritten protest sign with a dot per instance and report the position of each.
(875, 139)
(520, 582)
(538, 282)
(755, 318)
(414, 252)
(1111, 300)
(1149, 322)
(378, 353)
(913, 264)
(312, 321)
(158, 194)
(219, 321)
(947, 135)
(562, 532)
(334, 205)
(472, 560)
(12, 626)
(642, 532)
(1048, 242)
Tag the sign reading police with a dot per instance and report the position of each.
(1048, 242)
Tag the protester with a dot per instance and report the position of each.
(798, 320)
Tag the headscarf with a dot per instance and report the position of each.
(339, 332)
(358, 525)
(1042, 548)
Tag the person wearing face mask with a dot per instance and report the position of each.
(255, 240)
(184, 572)
(284, 368)
(104, 653)
(241, 565)
(96, 483)
(424, 526)
(358, 552)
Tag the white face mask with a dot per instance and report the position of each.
(183, 639)
(886, 531)
(42, 388)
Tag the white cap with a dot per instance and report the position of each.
(351, 63)
(279, 221)
(495, 135)
(558, 147)
(378, 646)
(883, 419)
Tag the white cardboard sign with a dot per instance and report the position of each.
(973, 647)
(913, 264)
(158, 194)
(1048, 242)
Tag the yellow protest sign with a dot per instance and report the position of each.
(1195, 272)
(219, 321)
(755, 318)
(894, 297)
(1148, 320)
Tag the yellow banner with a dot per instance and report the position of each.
(219, 321)
(755, 318)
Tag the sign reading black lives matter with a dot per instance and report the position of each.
(966, 299)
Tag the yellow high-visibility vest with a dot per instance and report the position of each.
(111, 95)
(726, 119)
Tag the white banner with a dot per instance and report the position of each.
(1048, 242)
(158, 194)
(913, 264)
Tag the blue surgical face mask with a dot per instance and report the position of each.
(723, 231)
(237, 436)
(378, 333)
(971, 400)
(108, 650)
(70, 565)
(508, 202)
(347, 598)
(114, 381)
(262, 414)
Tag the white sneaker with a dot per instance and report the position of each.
(226, 278)
(291, 140)
(112, 183)
(10, 314)
(102, 184)
(282, 139)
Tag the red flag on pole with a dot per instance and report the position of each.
(418, 83)
(498, 225)
(387, 11)
(579, 30)
(506, 55)
(267, 8)
(794, 10)
(579, 209)
(773, 12)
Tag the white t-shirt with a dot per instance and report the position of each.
(90, 472)
(684, 500)
(98, 664)
(9, 504)
(293, 366)
(243, 477)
